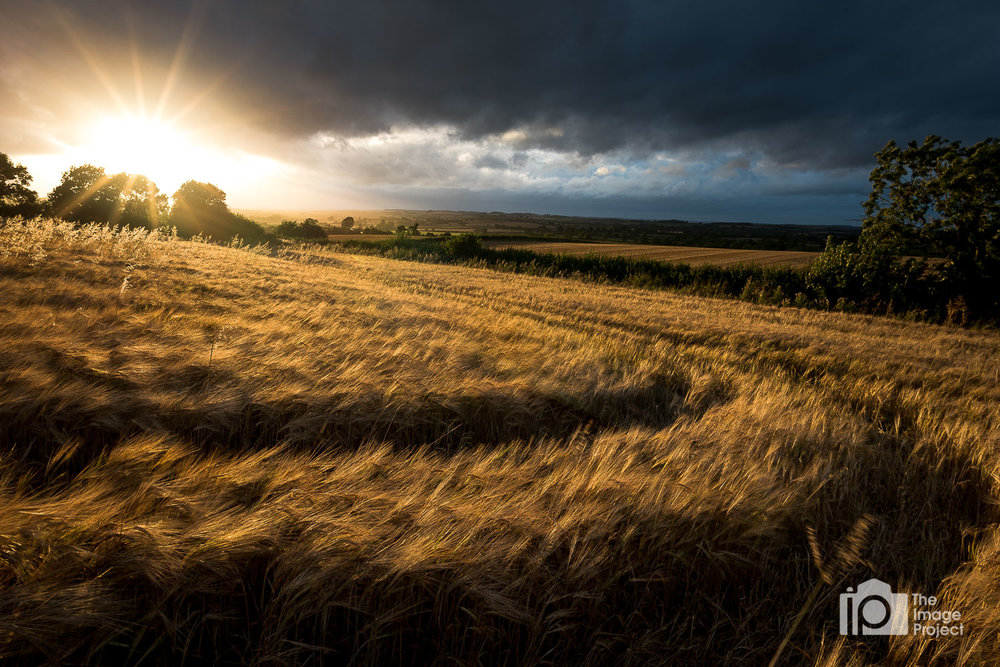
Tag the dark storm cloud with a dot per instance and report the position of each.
(798, 81)
(801, 83)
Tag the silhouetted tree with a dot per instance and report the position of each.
(347, 223)
(287, 228)
(142, 203)
(17, 200)
(311, 229)
(200, 208)
(307, 229)
(85, 195)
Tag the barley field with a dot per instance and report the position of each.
(667, 253)
(337, 238)
(245, 456)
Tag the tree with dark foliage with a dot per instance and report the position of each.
(311, 229)
(200, 208)
(85, 195)
(17, 199)
(307, 229)
(287, 228)
(940, 198)
(936, 199)
(88, 195)
(142, 203)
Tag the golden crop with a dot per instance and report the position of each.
(668, 253)
(226, 454)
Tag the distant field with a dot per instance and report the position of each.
(214, 455)
(356, 237)
(666, 253)
(667, 232)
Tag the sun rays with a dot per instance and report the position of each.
(140, 145)
(155, 120)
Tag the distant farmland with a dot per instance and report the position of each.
(666, 253)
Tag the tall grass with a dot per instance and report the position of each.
(333, 458)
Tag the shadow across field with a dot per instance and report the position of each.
(212, 407)
(347, 572)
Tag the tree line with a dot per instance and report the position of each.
(87, 194)
(929, 243)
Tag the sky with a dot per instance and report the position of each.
(738, 111)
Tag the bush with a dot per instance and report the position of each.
(464, 245)
(307, 229)
(247, 229)
(287, 228)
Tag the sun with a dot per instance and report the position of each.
(161, 151)
(139, 145)
(166, 153)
